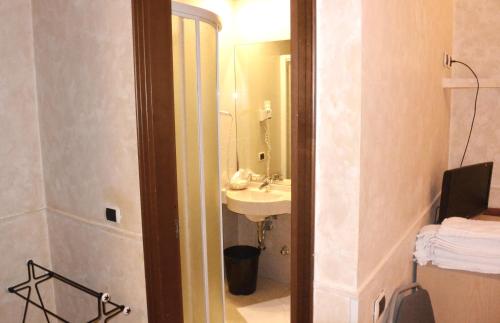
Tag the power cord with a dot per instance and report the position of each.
(436, 215)
(475, 107)
(267, 140)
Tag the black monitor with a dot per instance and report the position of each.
(465, 191)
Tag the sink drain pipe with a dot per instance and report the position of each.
(262, 227)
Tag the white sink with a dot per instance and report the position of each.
(258, 204)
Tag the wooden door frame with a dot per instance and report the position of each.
(152, 32)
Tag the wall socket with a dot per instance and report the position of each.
(446, 60)
(262, 156)
(379, 307)
(113, 214)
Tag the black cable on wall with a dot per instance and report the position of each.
(475, 108)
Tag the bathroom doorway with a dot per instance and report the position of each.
(156, 60)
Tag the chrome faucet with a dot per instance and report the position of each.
(265, 183)
(268, 180)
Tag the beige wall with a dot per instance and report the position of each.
(85, 78)
(382, 145)
(337, 159)
(476, 41)
(23, 230)
(404, 137)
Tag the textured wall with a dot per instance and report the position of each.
(476, 41)
(23, 237)
(23, 233)
(382, 145)
(86, 102)
(338, 157)
(404, 137)
(105, 259)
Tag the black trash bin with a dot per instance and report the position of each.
(241, 264)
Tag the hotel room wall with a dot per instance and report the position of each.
(23, 225)
(382, 145)
(404, 136)
(476, 41)
(338, 135)
(86, 97)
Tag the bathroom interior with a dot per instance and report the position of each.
(391, 115)
(237, 144)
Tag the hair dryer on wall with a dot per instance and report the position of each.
(266, 112)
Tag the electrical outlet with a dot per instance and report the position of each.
(113, 214)
(262, 156)
(446, 60)
(379, 307)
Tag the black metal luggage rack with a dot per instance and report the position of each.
(106, 309)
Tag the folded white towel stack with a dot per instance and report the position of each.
(458, 243)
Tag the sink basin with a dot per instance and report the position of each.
(257, 204)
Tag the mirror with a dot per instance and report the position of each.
(262, 99)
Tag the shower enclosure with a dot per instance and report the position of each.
(195, 51)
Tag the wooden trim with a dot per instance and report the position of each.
(303, 158)
(157, 163)
(492, 211)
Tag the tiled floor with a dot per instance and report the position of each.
(269, 304)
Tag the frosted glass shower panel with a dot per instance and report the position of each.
(208, 61)
(196, 129)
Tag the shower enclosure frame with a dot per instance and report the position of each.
(152, 33)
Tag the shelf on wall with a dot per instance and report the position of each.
(463, 83)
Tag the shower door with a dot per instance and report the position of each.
(196, 128)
